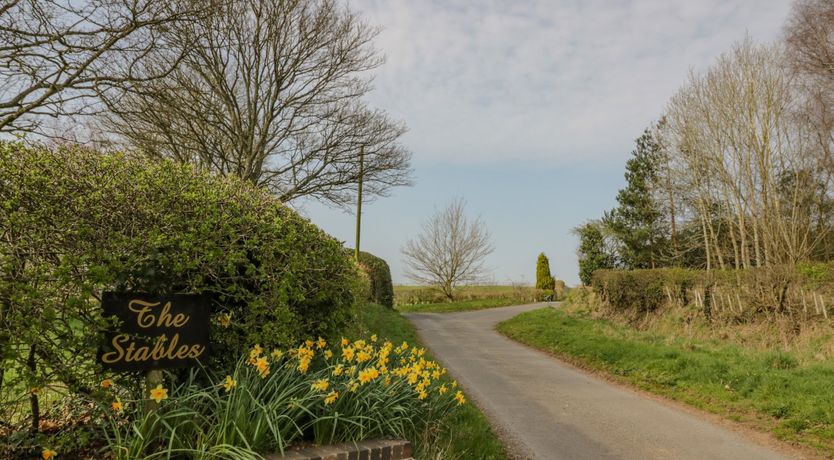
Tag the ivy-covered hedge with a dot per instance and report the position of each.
(74, 223)
(382, 290)
(800, 291)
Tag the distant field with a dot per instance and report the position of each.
(426, 299)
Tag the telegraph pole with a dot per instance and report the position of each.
(359, 200)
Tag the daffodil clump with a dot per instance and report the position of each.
(320, 392)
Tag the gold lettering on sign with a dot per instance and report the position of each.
(150, 315)
(147, 319)
(130, 352)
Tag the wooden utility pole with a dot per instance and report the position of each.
(359, 200)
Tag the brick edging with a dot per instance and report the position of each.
(397, 449)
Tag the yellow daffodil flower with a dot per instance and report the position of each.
(303, 365)
(460, 398)
(229, 383)
(367, 375)
(263, 367)
(256, 350)
(117, 405)
(224, 319)
(106, 384)
(331, 398)
(320, 385)
(159, 393)
(48, 454)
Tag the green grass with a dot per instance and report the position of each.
(769, 391)
(428, 299)
(467, 434)
(464, 305)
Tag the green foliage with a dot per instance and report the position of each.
(270, 401)
(75, 223)
(593, 253)
(382, 290)
(544, 280)
(637, 221)
(768, 390)
(634, 290)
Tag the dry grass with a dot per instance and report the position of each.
(809, 340)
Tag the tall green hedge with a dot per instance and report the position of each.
(382, 289)
(74, 223)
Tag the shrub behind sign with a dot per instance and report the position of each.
(154, 332)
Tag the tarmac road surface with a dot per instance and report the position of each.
(543, 408)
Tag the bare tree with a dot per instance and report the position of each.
(56, 56)
(450, 250)
(748, 164)
(809, 36)
(271, 91)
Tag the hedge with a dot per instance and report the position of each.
(800, 291)
(75, 223)
(382, 290)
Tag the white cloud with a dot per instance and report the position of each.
(491, 80)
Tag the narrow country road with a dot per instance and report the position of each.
(545, 409)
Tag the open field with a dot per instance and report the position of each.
(470, 435)
(463, 305)
(770, 391)
(426, 299)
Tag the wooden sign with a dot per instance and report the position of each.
(154, 332)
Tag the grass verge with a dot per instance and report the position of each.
(468, 433)
(768, 391)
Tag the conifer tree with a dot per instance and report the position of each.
(544, 280)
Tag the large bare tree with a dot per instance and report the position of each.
(271, 91)
(56, 56)
(748, 166)
(450, 250)
(809, 36)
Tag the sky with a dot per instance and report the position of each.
(528, 110)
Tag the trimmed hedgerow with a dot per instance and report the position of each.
(382, 290)
(74, 223)
(799, 292)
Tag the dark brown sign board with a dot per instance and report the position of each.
(154, 331)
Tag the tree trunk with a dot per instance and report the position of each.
(33, 394)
